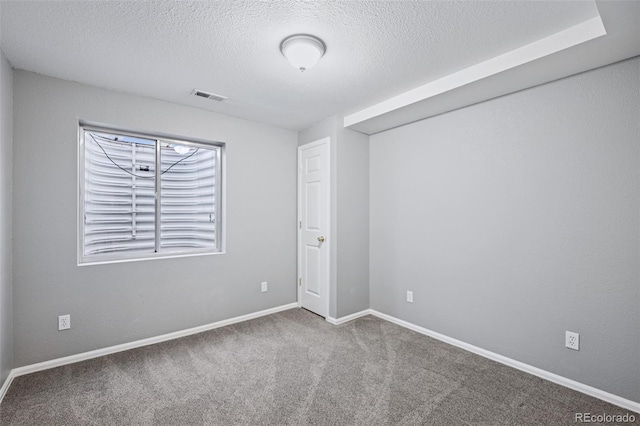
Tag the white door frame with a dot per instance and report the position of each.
(319, 142)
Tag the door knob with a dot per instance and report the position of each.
(321, 239)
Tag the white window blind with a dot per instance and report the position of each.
(133, 210)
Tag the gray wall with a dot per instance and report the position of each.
(118, 303)
(516, 219)
(353, 221)
(6, 144)
(349, 252)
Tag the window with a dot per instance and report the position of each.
(143, 196)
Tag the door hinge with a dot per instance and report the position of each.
(299, 281)
(300, 225)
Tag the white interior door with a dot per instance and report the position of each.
(313, 226)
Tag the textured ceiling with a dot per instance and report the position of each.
(375, 49)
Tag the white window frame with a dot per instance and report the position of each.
(118, 257)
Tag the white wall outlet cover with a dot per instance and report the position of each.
(572, 340)
(264, 286)
(410, 296)
(64, 322)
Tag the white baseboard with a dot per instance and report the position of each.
(27, 369)
(6, 384)
(342, 320)
(552, 377)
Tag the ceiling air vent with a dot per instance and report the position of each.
(207, 95)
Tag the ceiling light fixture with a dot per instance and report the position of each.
(302, 50)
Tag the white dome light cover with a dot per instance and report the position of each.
(302, 50)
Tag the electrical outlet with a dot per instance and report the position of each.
(572, 340)
(410, 296)
(264, 286)
(64, 322)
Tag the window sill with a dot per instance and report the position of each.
(148, 257)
